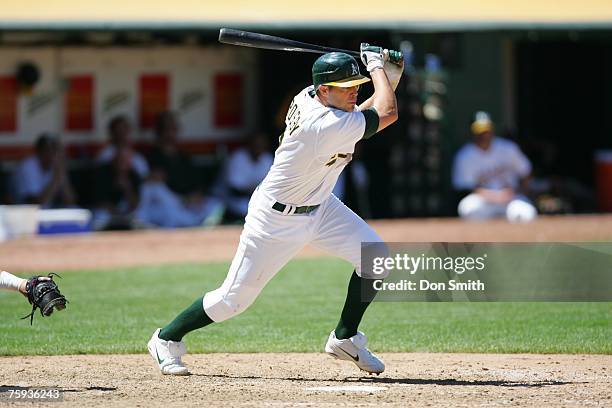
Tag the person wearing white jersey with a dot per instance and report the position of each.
(8, 281)
(492, 172)
(294, 206)
(244, 171)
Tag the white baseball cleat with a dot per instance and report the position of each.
(354, 349)
(167, 354)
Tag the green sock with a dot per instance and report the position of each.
(187, 321)
(354, 306)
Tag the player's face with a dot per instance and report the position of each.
(343, 98)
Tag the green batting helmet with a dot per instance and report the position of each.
(337, 69)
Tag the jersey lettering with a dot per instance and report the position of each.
(315, 147)
(293, 118)
(335, 157)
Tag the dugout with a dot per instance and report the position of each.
(541, 70)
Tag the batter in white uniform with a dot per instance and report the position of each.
(492, 171)
(294, 206)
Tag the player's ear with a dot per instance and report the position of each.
(323, 90)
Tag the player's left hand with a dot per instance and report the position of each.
(394, 70)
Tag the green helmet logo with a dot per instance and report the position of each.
(337, 69)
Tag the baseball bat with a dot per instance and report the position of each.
(270, 42)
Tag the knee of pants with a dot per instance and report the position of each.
(222, 303)
(472, 207)
(520, 211)
(374, 254)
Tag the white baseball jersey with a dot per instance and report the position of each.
(139, 163)
(317, 144)
(501, 166)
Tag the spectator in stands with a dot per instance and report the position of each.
(43, 178)
(492, 174)
(179, 171)
(116, 194)
(119, 130)
(170, 197)
(245, 169)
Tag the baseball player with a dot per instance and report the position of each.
(491, 172)
(294, 206)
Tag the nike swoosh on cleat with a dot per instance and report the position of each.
(356, 358)
(159, 360)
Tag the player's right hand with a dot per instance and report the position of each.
(371, 56)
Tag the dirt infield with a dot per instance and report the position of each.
(120, 249)
(411, 379)
(278, 380)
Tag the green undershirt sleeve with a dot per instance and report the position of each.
(371, 119)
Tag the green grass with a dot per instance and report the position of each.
(115, 311)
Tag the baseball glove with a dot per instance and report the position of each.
(44, 294)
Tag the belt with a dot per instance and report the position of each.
(290, 209)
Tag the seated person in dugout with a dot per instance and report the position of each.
(119, 131)
(116, 193)
(43, 178)
(492, 174)
(170, 197)
(166, 155)
(245, 169)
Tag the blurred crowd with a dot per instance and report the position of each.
(125, 188)
(162, 187)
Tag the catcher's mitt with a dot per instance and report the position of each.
(44, 295)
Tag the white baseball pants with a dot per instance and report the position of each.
(474, 207)
(270, 239)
